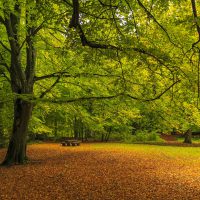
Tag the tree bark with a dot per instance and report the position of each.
(1, 126)
(16, 153)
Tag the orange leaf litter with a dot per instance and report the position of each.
(91, 173)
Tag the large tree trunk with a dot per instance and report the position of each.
(16, 153)
(188, 136)
(1, 126)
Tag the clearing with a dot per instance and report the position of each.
(103, 172)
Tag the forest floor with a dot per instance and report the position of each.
(103, 172)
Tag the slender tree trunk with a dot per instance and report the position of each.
(81, 132)
(108, 134)
(75, 128)
(16, 153)
(102, 137)
(86, 132)
(55, 128)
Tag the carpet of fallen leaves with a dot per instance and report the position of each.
(102, 172)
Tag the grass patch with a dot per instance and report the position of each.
(171, 151)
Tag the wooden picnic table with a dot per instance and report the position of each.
(71, 143)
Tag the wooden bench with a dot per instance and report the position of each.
(71, 143)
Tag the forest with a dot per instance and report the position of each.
(97, 69)
(116, 71)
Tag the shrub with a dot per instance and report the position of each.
(143, 136)
(153, 136)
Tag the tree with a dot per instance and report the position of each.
(21, 72)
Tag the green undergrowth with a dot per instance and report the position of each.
(143, 136)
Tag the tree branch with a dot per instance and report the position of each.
(74, 22)
(154, 19)
(50, 88)
(5, 47)
(53, 75)
(2, 20)
(107, 5)
(155, 98)
(108, 97)
(4, 63)
(87, 13)
(82, 99)
(85, 42)
(91, 44)
(68, 3)
(97, 97)
(67, 75)
(28, 37)
(194, 10)
(12, 21)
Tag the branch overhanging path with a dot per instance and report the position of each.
(75, 23)
(86, 98)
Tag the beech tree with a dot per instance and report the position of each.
(21, 76)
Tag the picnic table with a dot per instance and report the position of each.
(71, 143)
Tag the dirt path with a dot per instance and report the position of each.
(91, 173)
